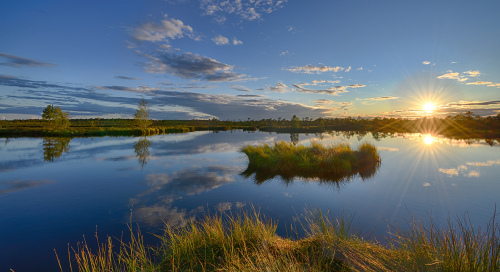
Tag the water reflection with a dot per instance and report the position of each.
(428, 139)
(54, 147)
(141, 149)
(16, 185)
(294, 138)
(155, 206)
(190, 173)
(465, 170)
(367, 170)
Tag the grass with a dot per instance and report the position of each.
(328, 163)
(248, 242)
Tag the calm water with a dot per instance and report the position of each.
(53, 192)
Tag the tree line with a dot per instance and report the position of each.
(55, 120)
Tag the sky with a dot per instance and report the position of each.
(258, 59)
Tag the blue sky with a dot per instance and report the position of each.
(254, 59)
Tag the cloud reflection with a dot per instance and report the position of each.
(191, 181)
(17, 185)
(463, 169)
(155, 206)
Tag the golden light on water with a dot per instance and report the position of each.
(428, 139)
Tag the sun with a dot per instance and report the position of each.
(429, 106)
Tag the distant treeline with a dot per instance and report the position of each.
(462, 126)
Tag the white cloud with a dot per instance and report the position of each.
(309, 69)
(166, 29)
(449, 172)
(473, 73)
(331, 105)
(453, 75)
(382, 98)
(331, 91)
(465, 76)
(335, 90)
(426, 62)
(279, 88)
(246, 9)
(220, 40)
(449, 76)
(316, 82)
(240, 88)
(359, 69)
(285, 53)
(237, 42)
(479, 83)
(140, 89)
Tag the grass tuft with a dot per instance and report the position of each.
(248, 242)
(335, 163)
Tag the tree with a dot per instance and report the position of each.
(55, 118)
(141, 116)
(295, 122)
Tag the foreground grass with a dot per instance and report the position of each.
(328, 163)
(249, 242)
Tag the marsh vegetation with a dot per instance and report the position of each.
(248, 242)
(334, 163)
(465, 125)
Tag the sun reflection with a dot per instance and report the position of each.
(428, 139)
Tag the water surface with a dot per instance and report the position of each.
(54, 191)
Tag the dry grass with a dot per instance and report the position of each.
(248, 242)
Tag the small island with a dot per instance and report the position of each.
(334, 163)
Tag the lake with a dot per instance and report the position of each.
(53, 192)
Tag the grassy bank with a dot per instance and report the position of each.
(249, 242)
(327, 163)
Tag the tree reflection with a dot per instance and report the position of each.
(294, 138)
(54, 147)
(141, 149)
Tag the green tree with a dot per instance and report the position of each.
(55, 118)
(295, 121)
(141, 116)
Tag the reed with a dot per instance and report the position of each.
(457, 246)
(112, 255)
(333, 242)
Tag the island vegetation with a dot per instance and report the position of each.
(332, 164)
(248, 242)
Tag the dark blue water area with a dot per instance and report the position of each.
(55, 192)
